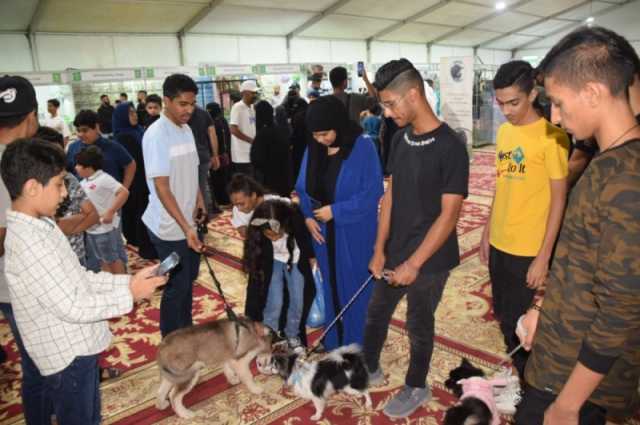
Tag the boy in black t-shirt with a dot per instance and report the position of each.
(416, 241)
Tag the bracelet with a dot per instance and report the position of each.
(535, 307)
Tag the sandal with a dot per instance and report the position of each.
(107, 373)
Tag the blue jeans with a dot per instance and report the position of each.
(92, 261)
(107, 247)
(75, 392)
(177, 297)
(295, 287)
(34, 404)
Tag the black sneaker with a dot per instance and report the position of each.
(3, 355)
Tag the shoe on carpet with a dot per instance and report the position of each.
(295, 345)
(406, 401)
(3, 355)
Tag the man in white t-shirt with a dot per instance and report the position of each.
(55, 121)
(246, 194)
(277, 97)
(243, 128)
(175, 201)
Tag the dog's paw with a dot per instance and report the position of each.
(186, 413)
(233, 379)
(162, 404)
(316, 417)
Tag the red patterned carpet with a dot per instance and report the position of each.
(465, 327)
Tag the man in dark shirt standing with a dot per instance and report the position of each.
(204, 133)
(105, 115)
(416, 242)
(585, 360)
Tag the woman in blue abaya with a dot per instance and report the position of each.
(340, 186)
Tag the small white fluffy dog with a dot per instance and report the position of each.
(342, 369)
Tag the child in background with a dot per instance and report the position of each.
(108, 196)
(271, 256)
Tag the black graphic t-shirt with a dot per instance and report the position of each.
(423, 168)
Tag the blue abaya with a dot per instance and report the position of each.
(358, 191)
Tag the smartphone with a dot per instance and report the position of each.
(168, 264)
(360, 69)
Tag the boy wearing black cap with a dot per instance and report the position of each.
(416, 242)
(18, 119)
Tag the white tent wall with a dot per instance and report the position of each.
(382, 52)
(57, 52)
(493, 57)
(16, 56)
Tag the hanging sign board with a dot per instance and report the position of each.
(234, 69)
(46, 78)
(278, 69)
(162, 73)
(106, 75)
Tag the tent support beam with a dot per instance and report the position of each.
(317, 18)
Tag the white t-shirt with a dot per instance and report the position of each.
(170, 151)
(58, 124)
(101, 190)
(240, 219)
(5, 204)
(281, 253)
(276, 100)
(245, 118)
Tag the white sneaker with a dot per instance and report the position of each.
(507, 397)
(295, 345)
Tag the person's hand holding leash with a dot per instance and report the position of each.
(404, 275)
(376, 265)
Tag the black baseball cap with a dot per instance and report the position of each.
(17, 96)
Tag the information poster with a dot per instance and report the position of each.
(456, 96)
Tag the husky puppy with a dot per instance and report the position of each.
(185, 352)
(342, 369)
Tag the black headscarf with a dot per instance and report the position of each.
(328, 113)
(214, 110)
(264, 115)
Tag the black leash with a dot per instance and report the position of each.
(231, 315)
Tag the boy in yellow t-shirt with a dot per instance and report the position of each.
(518, 239)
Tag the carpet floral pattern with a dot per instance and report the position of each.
(465, 327)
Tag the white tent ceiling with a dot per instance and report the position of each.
(468, 23)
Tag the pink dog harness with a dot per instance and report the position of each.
(482, 389)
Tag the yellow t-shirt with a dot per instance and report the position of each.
(526, 158)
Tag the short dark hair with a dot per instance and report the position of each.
(103, 96)
(12, 122)
(87, 118)
(154, 98)
(241, 183)
(54, 102)
(591, 54)
(27, 159)
(142, 91)
(398, 75)
(338, 75)
(50, 135)
(90, 157)
(176, 84)
(515, 73)
(123, 94)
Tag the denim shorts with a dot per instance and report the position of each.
(106, 246)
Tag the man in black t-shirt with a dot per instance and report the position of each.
(417, 245)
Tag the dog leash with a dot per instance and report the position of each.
(315, 346)
(227, 308)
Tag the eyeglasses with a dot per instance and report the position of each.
(391, 104)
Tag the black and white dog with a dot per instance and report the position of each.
(342, 369)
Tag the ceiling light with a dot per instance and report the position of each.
(590, 20)
(501, 5)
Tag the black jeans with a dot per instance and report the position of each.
(511, 298)
(535, 402)
(423, 297)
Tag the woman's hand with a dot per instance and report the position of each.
(324, 214)
(314, 229)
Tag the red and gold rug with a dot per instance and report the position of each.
(465, 328)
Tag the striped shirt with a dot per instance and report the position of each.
(60, 308)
